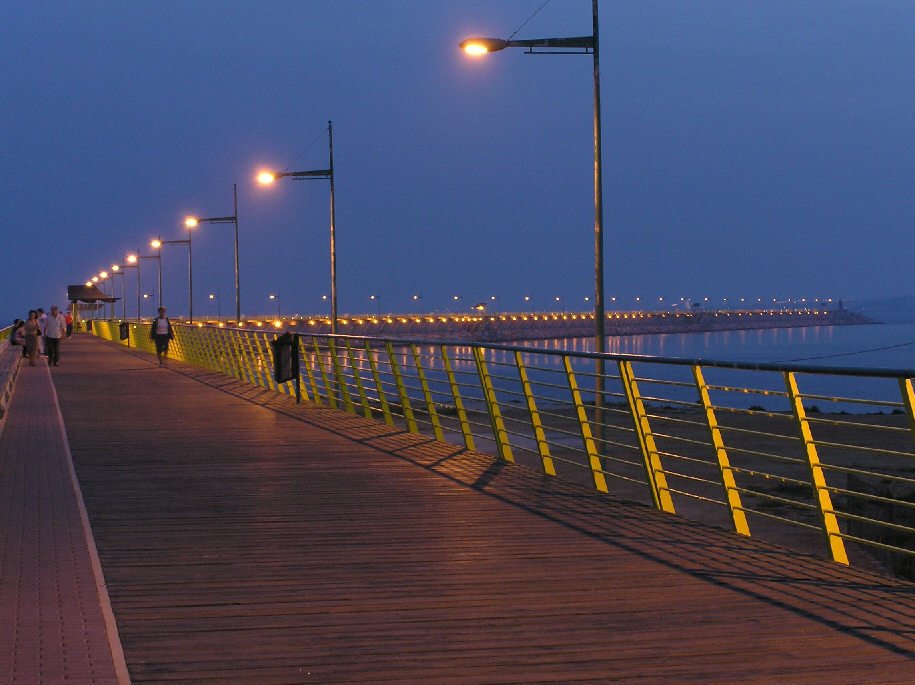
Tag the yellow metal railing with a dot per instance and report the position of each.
(808, 457)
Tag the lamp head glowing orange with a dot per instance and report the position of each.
(480, 46)
(131, 259)
(191, 221)
(95, 279)
(115, 267)
(265, 178)
(103, 274)
(155, 243)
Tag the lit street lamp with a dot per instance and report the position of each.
(575, 45)
(277, 298)
(157, 244)
(215, 296)
(116, 271)
(269, 177)
(377, 300)
(193, 221)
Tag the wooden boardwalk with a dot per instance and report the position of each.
(246, 539)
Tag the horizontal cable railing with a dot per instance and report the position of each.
(809, 457)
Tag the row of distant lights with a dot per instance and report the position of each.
(523, 317)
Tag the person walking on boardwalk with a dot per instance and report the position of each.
(68, 317)
(32, 334)
(55, 327)
(42, 317)
(161, 333)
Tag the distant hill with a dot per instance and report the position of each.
(899, 309)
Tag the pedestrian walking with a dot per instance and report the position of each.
(42, 317)
(68, 317)
(32, 333)
(55, 327)
(161, 332)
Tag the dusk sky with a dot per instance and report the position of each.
(751, 149)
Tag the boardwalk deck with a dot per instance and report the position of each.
(247, 539)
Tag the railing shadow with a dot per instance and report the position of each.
(874, 609)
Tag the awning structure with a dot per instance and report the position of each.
(88, 293)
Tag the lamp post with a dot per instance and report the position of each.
(576, 45)
(158, 258)
(116, 271)
(268, 177)
(132, 261)
(273, 296)
(193, 221)
(377, 300)
(215, 296)
(157, 244)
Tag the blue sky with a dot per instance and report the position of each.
(751, 149)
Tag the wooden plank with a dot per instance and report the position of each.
(248, 539)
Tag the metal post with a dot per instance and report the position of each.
(237, 291)
(138, 286)
(333, 237)
(159, 259)
(190, 280)
(599, 317)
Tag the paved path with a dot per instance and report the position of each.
(52, 623)
(246, 539)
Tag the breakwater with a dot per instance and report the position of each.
(507, 326)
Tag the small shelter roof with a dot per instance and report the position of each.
(88, 293)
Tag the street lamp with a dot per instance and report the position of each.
(575, 45)
(215, 296)
(157, 244)
(270, 177)
(192, 221)
(377, 300)
(277, 298)
(132, 261)
(116, 271)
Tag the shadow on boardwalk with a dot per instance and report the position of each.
(245, 538)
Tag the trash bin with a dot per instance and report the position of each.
(124, 329)
(285, 357)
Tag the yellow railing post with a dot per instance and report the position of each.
(340, 375)
(830, 523)
(402, 391)
(654, 472)
(539, 435)
(458, 402)
(500, 435)
(363, 398)
(379, 386)
(427, 394)
(309, 373)
(328, 391)
(728, 481)
(908, 399)
(584, 427)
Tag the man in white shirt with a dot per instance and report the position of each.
(55, 327)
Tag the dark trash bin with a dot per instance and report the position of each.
(124, 329)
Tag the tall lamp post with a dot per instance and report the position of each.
(575, 45)
(193, 221)
(136, 259)
(215, 296)
(276, 297)
(268, 177)
(132, 261)
(116, 271)
(157, 244)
